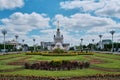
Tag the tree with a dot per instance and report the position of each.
(9, 47)
(71, 48)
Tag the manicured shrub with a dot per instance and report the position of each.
(86, 64)
(55, 63)
(58, 50)
(56, 54)
(58, 65)
(27, 65)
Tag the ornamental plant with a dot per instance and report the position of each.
(58, 65)
(56, 62)
(58, 50)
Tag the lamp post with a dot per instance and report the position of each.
(34, 44)
(4, 32)
(16, 37)
(112, 33)
(23, 45)
(93, 44)
(81, 43)
(100, 36)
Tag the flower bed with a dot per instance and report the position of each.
(84, 53)
(93, 77)
(69, 53)
(56, 54)
(57, 65)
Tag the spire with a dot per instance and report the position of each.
(58, 29)
(58, 24)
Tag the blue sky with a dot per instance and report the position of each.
(78, 19)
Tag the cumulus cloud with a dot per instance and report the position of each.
(85, 5)
(11, 4)
(79, 22)
(24, 22)
(111, 9)
(107, 8)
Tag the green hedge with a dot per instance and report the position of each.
(55, 53)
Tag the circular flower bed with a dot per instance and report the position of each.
(57, 65)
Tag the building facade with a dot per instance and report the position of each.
(101, 44)
(58, 42)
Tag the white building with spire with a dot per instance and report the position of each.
(58, 42)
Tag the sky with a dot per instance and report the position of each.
(77, 19)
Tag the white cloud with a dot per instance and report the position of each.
(107, 8)
(11, 4)
(22, 23)
(85, 5)
(104, 29)
(91, 25)
(111, 9)
(78, 22)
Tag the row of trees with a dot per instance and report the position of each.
(107, 47)
(92, 46)
(11, 47)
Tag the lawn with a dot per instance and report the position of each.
(100, 64)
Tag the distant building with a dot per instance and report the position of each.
(101, 44)
(12, 42)
(17, 45)
(58, 42)
(46, 45)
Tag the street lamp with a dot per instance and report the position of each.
(4, 32)
(100, 36)
(93, 44)
(23, 44)
(112, 33)
(34, 43)
(16, 37)
(81, 43)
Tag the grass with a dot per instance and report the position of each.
(9, 67)
(111, 61)
(71, 73)
(5, 61)
(39, 57)
(112, 56)
(9, 56)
